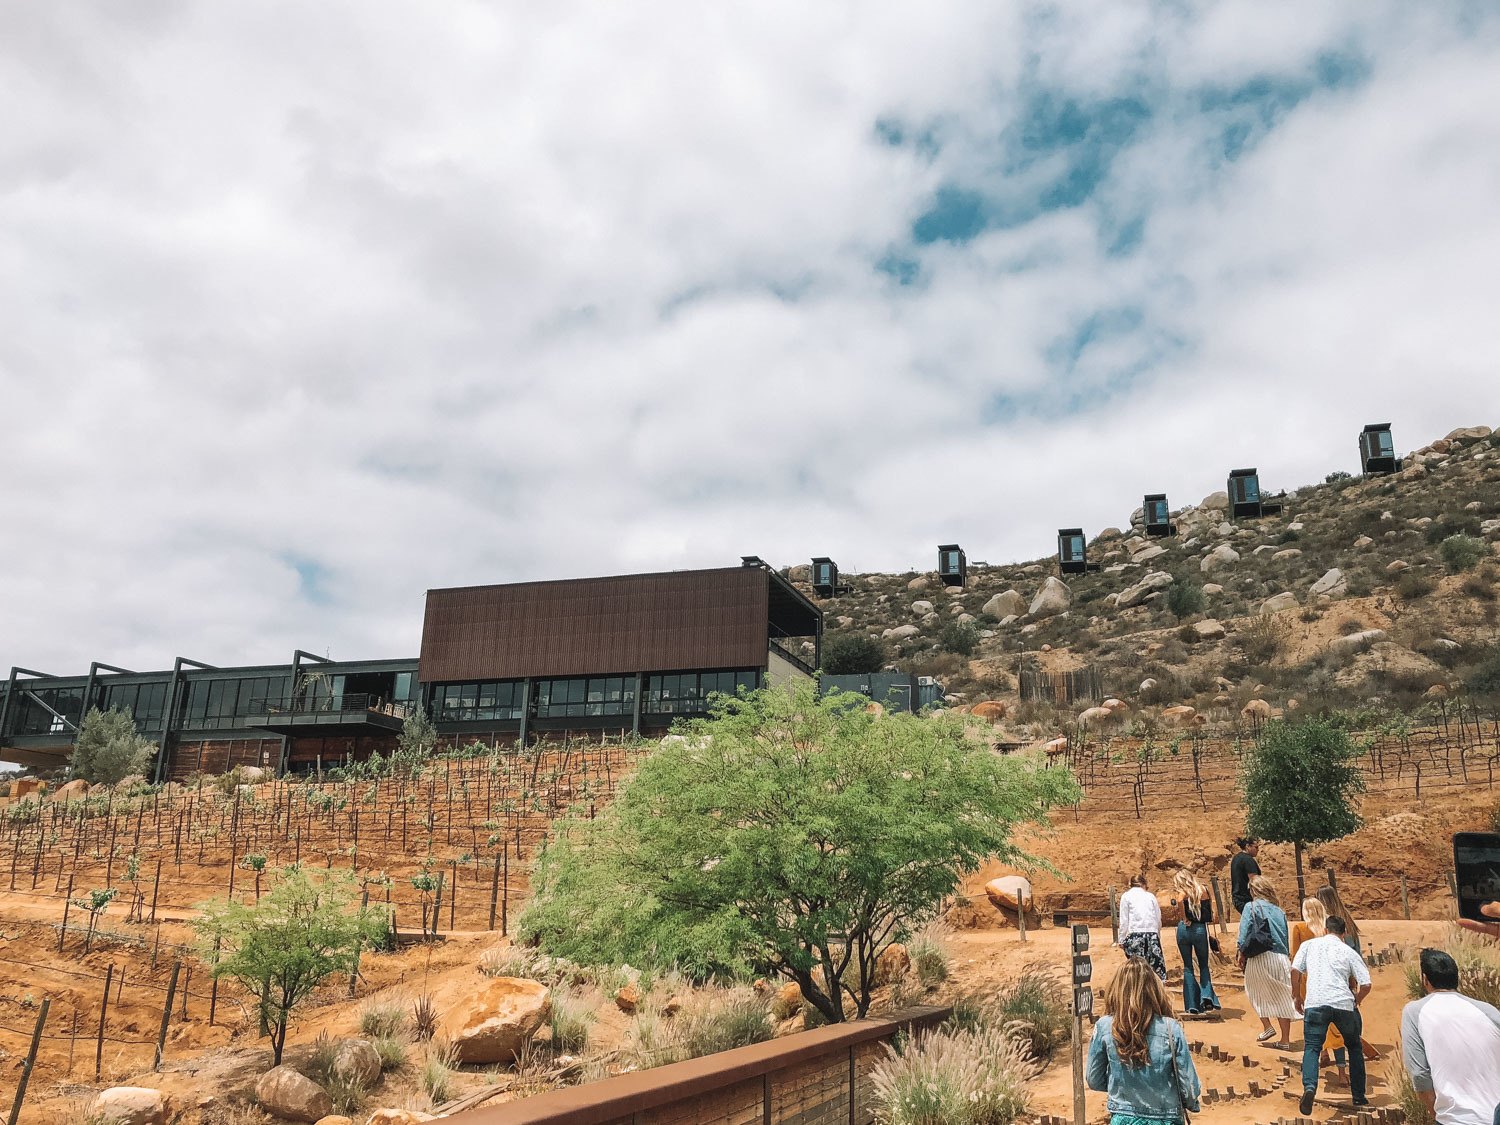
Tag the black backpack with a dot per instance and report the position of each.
(1258, 937)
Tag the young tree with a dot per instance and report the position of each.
(108, 749)
(282, 947)
(1301, 783)
(786, 834)
(852, 654)
(418, 737)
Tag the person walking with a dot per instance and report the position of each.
(1138, 1053)
(1193, 942)
(1242, 868)
(1140, 926)
(1314, 917)
(1333, 903)
(1263, 955)
(1451, 1045)
(1325, 965)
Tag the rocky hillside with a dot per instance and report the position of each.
(1359, 593)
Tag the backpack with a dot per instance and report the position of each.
(1258, 937)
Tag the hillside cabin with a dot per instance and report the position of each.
(1377, 451)
(825, 577)
(1158, 515)
(1245, 499)
(1072, 550)
(953, 565)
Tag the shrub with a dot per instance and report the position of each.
(852, 654)
(436, 1075)
(959, 637)
(108, 749)
(929, 955)
(1262, 638)
(392, 1049)
(1398, 1082)
(737, 1020)
(1484, 680)
(1337, 476)
(1462, 552)
(1411, 585)
(424, 1017)
(1479, 586)
(378, 1018)
(957, 1077)
(1037, 1008)
(572, 1020)
(1185, 599)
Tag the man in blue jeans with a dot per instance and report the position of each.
(1327, 966)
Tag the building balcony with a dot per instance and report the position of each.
(353, 713)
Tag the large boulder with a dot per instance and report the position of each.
(335, 1119)
(1180, 716)
(1256, 709)
(129, 1105)
(1054, 597)
(1221, 556)
(1004, 605)
(1216, 502)
(357, 1061)
(1094, 716)
(283, 1092)
(1351, 643)
(1468, 433)
(1331, 585)
(1154, 551)
(991, 710)
(493, 1022)
(920, 582)
(1156, 581)
(398, 1117)
(74, 790)
(900, 632)
(1209, 630)
(1284, 600)
(1007, 892)
(921, 608)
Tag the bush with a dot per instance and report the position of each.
(929, 955)
(852, 654)
(738, 1020)
(1411, 585)
(959, 637)
(436, 1075)
(108, 749)
(1462, 552)
(1479, 586)
(1398, 1082)
(392, 1049)
(378, 1018)
(1262, 638)
(1336, 477)
(1185, 599)
(1037, 1008)
(572, 1019)
(957, 1077)
(1484, 680)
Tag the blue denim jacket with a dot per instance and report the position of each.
(1150, 1090)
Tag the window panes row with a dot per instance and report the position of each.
(458, 703)
(674, 693)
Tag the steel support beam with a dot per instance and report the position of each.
(169, 716)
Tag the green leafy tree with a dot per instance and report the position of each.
(1301, 784)
(108, 749)
(285, 945)
(1462, 552)
(418, 737)
(961, 637)
(852, 654)
(786, 834)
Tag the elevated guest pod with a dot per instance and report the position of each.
(953, 564)
(1245, 500)
(1072, 551)
(1377, 452)
(1158, 514)
(825, 577)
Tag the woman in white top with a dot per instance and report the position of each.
(1140, 926)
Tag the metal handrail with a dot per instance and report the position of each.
(318, 704)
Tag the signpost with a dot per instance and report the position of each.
(1083, 1005)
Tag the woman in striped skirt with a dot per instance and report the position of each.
(1268, 972)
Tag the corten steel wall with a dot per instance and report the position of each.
(594, 626)
(222, 755)
(804, 1079)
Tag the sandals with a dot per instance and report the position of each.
(1265, 1037)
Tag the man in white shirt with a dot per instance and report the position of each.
(1327, 966)
(1451, 1045)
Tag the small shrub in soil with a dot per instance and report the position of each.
(1479, 586)
(379, 1018)
(1462, 552)
(929, 956)
(1185, 599)
(958, 1077)
(572, 1019)
(1036, 1007)
(1410, 586)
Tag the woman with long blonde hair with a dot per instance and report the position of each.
(1334, 906)
(1138, 1053)
(1193, 940)
(1264, 945)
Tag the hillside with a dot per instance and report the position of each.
(1360, 593)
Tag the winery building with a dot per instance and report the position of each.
(504, 664)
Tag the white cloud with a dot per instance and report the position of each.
(474, 293)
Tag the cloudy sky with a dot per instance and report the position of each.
(306, 308)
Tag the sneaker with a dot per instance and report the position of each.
(1361, 1101)
(1304, 1107)
(1192, 1011)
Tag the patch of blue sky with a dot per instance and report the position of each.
(312, 578)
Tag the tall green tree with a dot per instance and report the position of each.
(852, 654)
(284, 945)
(108, 749)
(787, 834)
(1302, 783)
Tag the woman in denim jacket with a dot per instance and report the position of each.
(1139, 1053)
